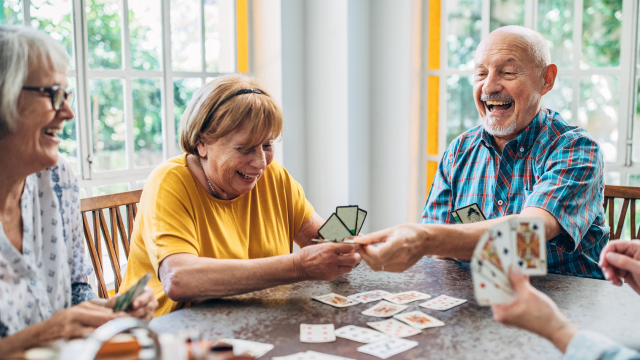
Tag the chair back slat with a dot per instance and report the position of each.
(629, 195)
(109, 231)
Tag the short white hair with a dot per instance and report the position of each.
(21, 49)
(538, 47)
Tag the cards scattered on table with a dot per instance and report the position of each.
(419, 320)
(319, 333)
(345, 222)
(394, 327)
(310, 355)
(336, 300)
(519, 242)
(443, 302)
(386, 348)
(360, 334)
(384, 309)
(406, 297)
(246, 347)
(369, 296)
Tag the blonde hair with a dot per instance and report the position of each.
(214, 112)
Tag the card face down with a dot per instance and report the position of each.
(529, 242)
(124, 301)
(334, 229)
(470, 214)
(360, 334)
(385, 349)
(336, 300)
(349, 217)
(406, 297)
(443, 302)
(384, 309)
(361, 216)
(317, 333)
(419, 320)
(393, 327)
(369, 296)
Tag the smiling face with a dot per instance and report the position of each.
(34, 142)
(508, 83)
(232, 166)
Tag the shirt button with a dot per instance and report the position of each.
(499, 202)
(521, 149)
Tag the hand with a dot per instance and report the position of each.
(78, 321)
(142, 307)
(403, 247)
(621, 260)
(534, 311)
(325, 261)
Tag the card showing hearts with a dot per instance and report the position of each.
(384, 309)
(319, 333)
(443, 302)
(359, 334)
(406, 297)
(394, 328)
(369, 296)
(419, 320)
(336, 300)
(385, 349)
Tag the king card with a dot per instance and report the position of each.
(487, 262)
(419, 320)
(443, 302)
(360, 334)
(394, 328)
(369, 296)
(530, 248)
(384, 309)
(334, 229)
(317, 333)
(406, 297)
(336, 300)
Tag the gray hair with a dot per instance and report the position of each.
(21, 49)
(538, 47)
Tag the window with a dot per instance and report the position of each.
(594, 43)
(134, 65)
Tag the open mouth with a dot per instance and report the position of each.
(52, 132)
(248, 177)
(498, 105)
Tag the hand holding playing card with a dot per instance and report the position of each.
(621, 260)
(402, 248)
(325, 261)
(142, 307)
(534, 311)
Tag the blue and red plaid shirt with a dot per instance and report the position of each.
(551, 165)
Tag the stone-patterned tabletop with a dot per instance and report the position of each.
(274, 315)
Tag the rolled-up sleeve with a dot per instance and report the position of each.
(587, 345)
(571, 188)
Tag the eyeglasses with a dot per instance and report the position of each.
(56, 93)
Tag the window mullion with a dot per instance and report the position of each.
(168, 125)
(83, 118)
(628, 51)
(128, 88)
(577, 54)
(444, 64)
(203, 57)
(486, 18)
(26, 12)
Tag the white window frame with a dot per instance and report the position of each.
(87, 177)
(628, 72)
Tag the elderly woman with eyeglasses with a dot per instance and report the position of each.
(218, 220)
(43, 295)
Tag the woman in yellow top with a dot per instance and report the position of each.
(217, 221)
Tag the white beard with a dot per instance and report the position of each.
(500, 131)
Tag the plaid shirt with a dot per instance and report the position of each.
(551, 165)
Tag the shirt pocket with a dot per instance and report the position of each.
(527, 193)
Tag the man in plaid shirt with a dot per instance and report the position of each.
(524, 160)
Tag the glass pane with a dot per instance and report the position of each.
(219, 33)
(632, 180)
(108, 127)
(602, 25)
(147, 121)
(68, 138)
(145, 32)
(506, 12)
(54, 17)
(462, 114)
(11, 12)
(598, 111)
(186, 51)
(183, 89)
(104, 35)
(555, 23)
(464, 31)
(560, 98)
(110, 189)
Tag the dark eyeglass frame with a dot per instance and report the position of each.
(56, 93)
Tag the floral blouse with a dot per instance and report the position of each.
(37, 283)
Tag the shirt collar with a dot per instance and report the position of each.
(528, 136)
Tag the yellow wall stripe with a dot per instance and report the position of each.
(433, 89)
(242, 35)
(432, 167)
(433, 100)
(434, 35)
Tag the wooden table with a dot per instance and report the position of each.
(274, 315)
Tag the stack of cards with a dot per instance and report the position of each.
(345, 222)
(386, 348)
(336, 300)
(520, 242)
(319, 333)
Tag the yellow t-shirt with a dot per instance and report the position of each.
(177, 215)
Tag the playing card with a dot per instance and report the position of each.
(349, 217)
(384, 309)
(360, 334)
(456, 217)
(530, 248)
(394, 328)
(486, 261)
(336, 300)
(489, 293)
(406, 297)
(296, 356)
(361, 216)
(314, 355)
(369, 296)
(384, 349)
(470, 214)
(443, 302)
(334, 229)
(317, 333)
(252, 348)
(124, 301)
(502, 234)
(419, 320)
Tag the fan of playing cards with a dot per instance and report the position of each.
(345, 222)
(519, 242)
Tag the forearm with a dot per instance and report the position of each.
(199, 279)
(26, 339)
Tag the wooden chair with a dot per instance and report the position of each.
(630, 194)
(99, 229)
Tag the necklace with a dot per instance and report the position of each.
(213, 191)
